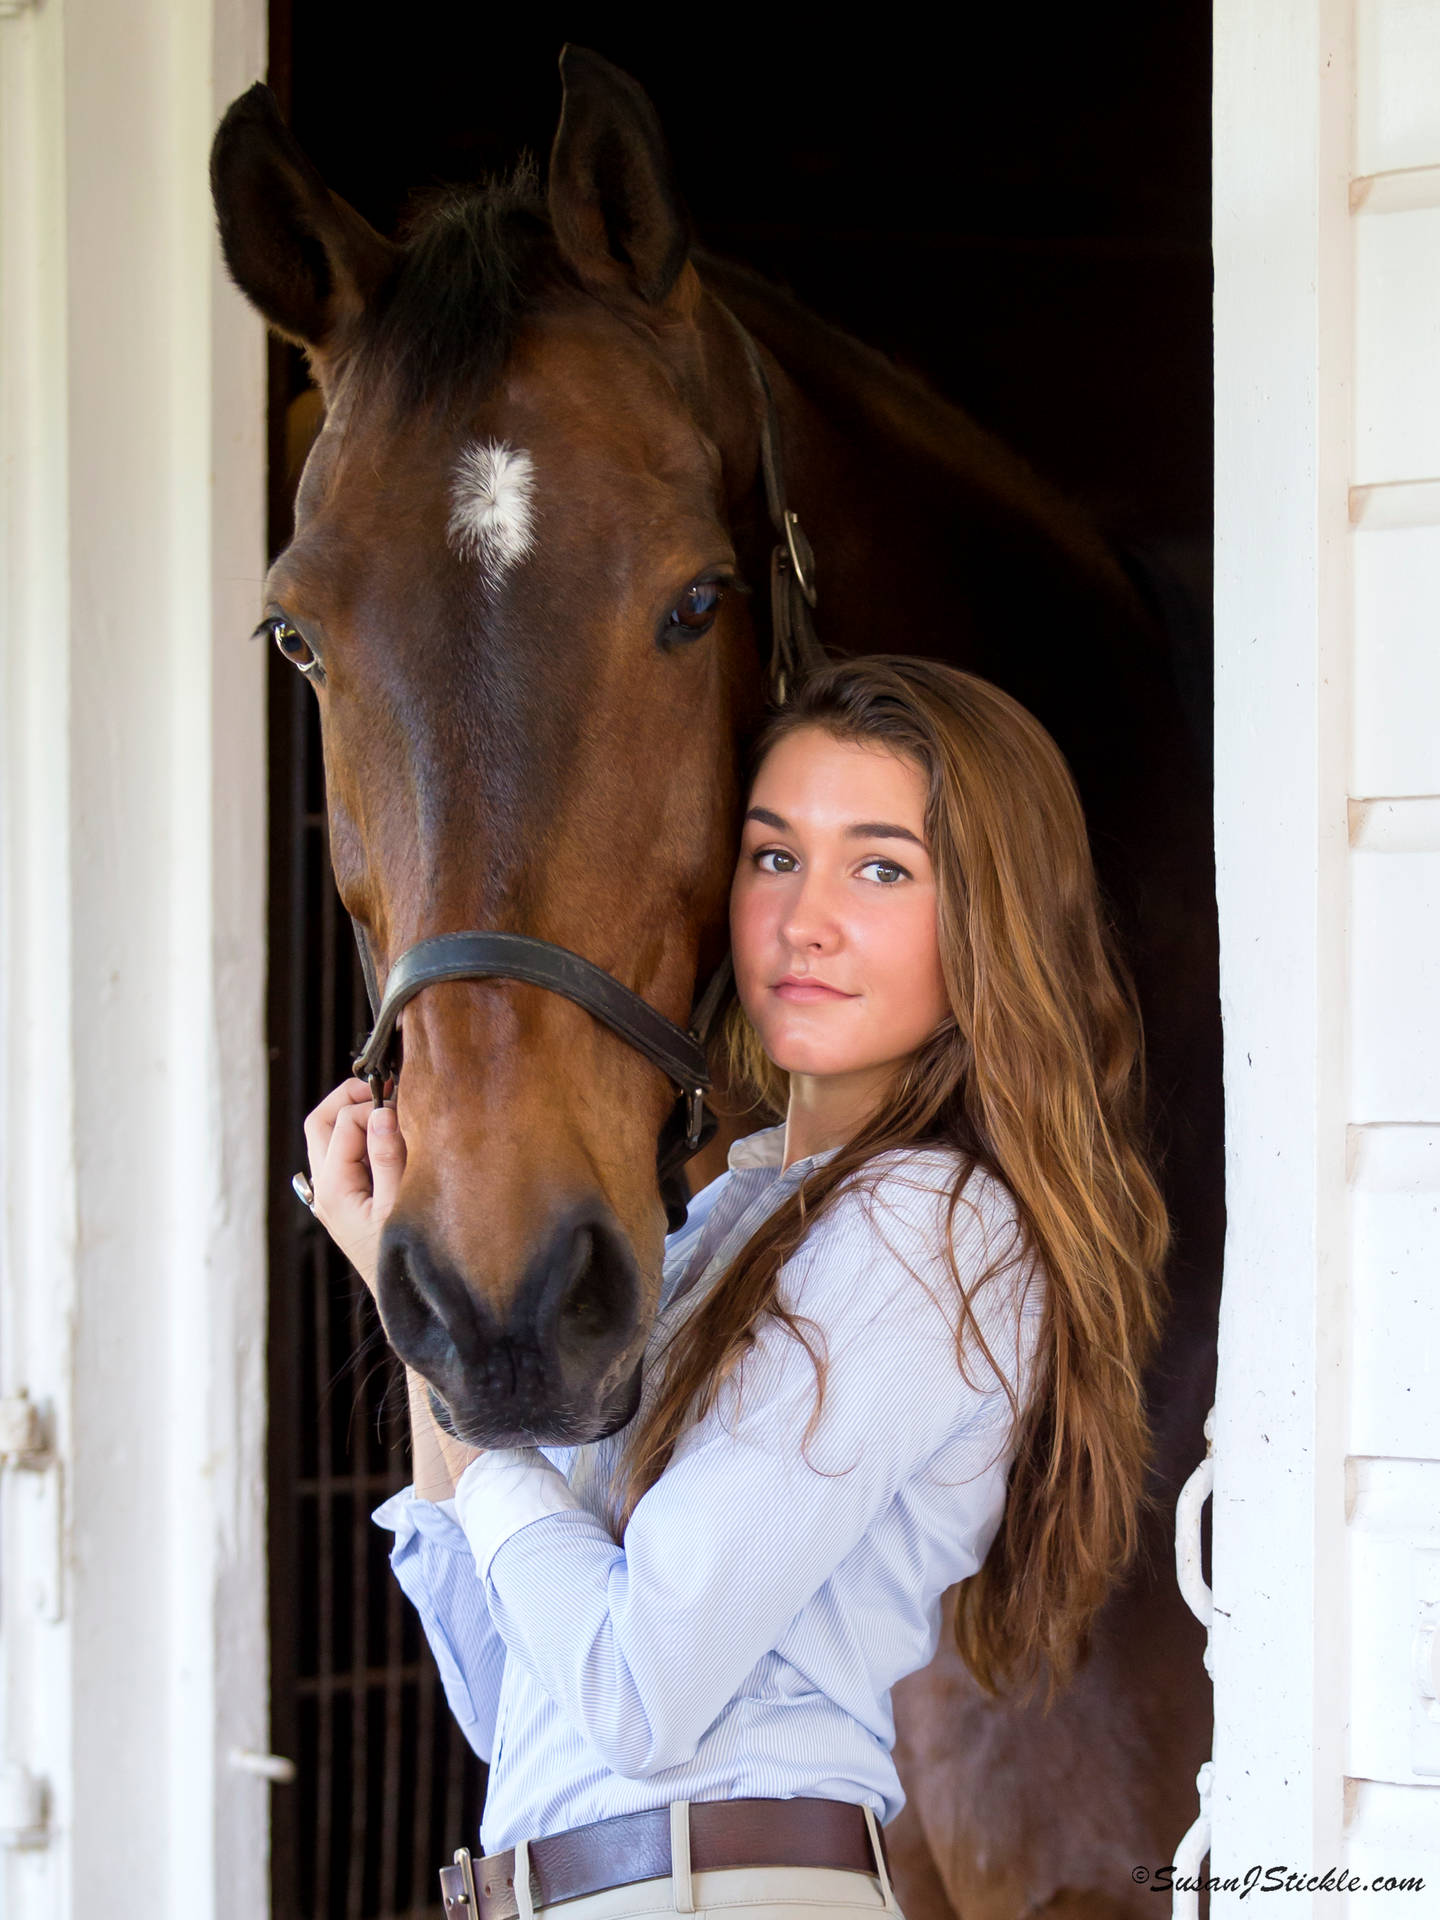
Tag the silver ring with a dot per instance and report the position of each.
(303, 1190)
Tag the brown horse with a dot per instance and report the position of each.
(518, 585)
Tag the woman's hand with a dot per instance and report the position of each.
(357, 1156)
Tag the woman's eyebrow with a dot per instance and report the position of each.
(881, 830)
(862, 829)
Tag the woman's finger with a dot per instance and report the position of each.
(348, 1094)
(343, 1180)
(340, 1179)
(386, 1147)
(320, 1124)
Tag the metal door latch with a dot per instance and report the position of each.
(35, 1504)
(24, 1808)
(23, 1439)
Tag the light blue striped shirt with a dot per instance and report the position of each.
(744, 1639)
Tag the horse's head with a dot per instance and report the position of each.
(513, 586)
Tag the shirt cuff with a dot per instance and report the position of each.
(504, 1489)
(406, 1513)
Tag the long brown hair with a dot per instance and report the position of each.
(1036, 1077)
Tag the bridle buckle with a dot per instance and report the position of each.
(801, 555)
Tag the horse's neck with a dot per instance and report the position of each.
(905, 498)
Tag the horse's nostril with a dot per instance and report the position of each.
(594, 1289)
(405, 1298)
(430, 1318)
(582, 1252)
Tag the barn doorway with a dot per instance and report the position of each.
(1022, 218)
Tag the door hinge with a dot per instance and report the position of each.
(24, 1808)
(34, 1495)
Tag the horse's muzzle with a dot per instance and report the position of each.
(552, 1361)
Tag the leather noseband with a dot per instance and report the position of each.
(680, 1055)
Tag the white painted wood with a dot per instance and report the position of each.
(1397, 361)
(37, 1093)
(1395, 742)
(1396, 825)
(1395, 988)
(1394, 1534)
(1400, 192)
(1394, 1160)
(1283, 304)
(1397, 83)
(1395, 1303)
(1395, 503)
(1391, 1835)
(1393, 1473)
(132, 381)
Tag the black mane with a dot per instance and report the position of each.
(473, 258)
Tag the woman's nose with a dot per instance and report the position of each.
(810, 921)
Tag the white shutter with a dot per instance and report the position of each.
(1327, 1429)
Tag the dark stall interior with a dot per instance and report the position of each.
(1014, 204)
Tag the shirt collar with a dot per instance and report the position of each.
(763, 1149)
(767, 1149)
(733, 1197)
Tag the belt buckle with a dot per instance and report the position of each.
(463, 1897)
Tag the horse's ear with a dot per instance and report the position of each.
(297, 252)
(613, 202)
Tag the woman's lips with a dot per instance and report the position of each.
(807, 990)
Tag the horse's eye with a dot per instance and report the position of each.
(291, 642)
(695, 612)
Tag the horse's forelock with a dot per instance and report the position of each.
(472, 259)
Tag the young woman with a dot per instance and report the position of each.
(899, 1346)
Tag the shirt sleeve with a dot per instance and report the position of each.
(643, 1645)
(434, 1563)
(436, 1570)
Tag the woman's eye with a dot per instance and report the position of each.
(694, 612)
(885, 871)
(775, 860)
(291, 642)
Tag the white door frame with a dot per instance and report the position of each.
(132, 1061)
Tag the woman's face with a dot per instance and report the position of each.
(833, 908)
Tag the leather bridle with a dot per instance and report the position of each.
(678, 1052)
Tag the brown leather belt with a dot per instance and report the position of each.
(636, 1846)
